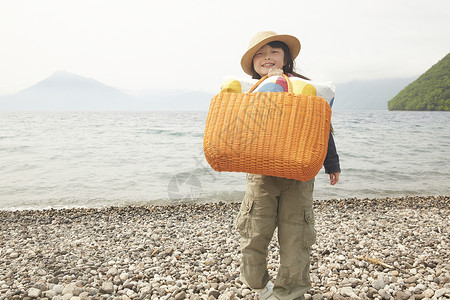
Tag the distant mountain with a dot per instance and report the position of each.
(431, 91)
(64, 91)
(368, 94)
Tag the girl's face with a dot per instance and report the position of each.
(268, 58)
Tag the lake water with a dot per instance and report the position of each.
(96, 159)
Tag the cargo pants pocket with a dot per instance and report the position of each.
(243, 218)
(309, 232)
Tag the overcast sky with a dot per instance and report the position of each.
(138, 45)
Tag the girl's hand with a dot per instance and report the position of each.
(275, 72)
(334, 178)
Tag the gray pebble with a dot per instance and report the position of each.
(401, 295)
(34, 292)
(378, 284)
(440, 292)
(317, 297)
(191, 251)
(181, 295)
(107, 287)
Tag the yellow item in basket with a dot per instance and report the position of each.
(271, 133)
(302, 86)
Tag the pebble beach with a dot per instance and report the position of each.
(387, 248)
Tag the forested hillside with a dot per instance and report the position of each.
(431, 91)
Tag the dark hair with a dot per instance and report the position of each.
(289, 67)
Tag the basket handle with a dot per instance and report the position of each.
(265, 77)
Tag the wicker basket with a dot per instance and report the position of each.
(271, 133)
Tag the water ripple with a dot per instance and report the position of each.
(92, 159)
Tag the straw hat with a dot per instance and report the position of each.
(262, 38)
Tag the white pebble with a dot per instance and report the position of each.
(34, 292)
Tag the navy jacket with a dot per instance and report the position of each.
(331, 162)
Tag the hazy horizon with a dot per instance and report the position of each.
(64, 91)
(139, 45)
(141, 92)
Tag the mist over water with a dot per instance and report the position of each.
(96, 159)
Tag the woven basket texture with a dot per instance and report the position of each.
(271, 133)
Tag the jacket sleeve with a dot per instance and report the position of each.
(331, 162)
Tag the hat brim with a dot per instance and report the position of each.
(291, 41)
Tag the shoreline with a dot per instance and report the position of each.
(385, 248)
(200, 202)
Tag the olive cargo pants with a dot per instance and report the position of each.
(270, 202)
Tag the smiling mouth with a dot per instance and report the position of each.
(268, 65)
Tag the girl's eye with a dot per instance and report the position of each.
(259, 53)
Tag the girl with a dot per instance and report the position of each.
(272, 202)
